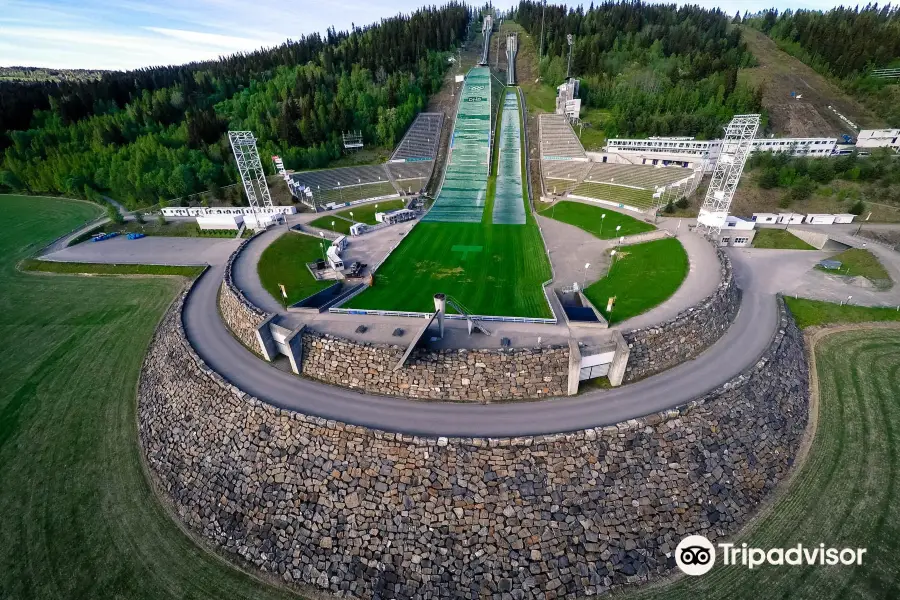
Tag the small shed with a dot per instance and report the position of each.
(790, 218)
(845, 218)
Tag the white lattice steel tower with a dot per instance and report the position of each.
(243, 144)
(736, 146)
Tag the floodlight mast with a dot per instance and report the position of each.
(736, 147)
(243, 144)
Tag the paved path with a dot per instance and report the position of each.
(150, 250)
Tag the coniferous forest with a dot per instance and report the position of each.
(845, 44)
(658, 69)
(160, 133)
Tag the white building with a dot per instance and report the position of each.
(878, 138)
(197, 211)
(220, 222)
(790, 218)
(815, 219)
(737, 232)
(765, 217)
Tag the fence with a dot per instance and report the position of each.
(421, 315)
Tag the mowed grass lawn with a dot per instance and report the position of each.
(779, 239)
(491, 269)
(640, 199)
(365, 213)
(641, 277)
(846, 494)
(284, 262)
(591, 219)
(859, 262)
(79, 518)
(332, 223)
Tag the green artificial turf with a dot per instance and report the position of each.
(284, 262)
(845, 495)
(591, 219)
(365, 213)
(339, 225)
(641, 277)
(46, 266)
(779, 239)
(810, 313)
(491, 269)
(857, 262)
(353, 193)
(79, 517)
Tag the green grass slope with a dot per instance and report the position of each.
(79, 518)
(284, 262)
(845, 495)
(779, 238)
(641, 277)
(591, 219)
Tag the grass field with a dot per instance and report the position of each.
(340, 225)
(590, 218)
(365, 213)
(642, 276)
(808, 313)
(857, 262)
(491, 269)
(79, 518)
(284, 262)
(641, 199)
(845, 495)
(46, 266)
(779, 238)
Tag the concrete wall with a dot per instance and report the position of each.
(240, 315)
(373, 514)
(478, 375)
(655, 349)
(816, 239)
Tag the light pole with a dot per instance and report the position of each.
(322, 243)
(332, 227)
(618, 227)
(351, 215)
(584, 278)
(602, 217)
(612, 256)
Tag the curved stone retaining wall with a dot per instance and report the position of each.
(380, 515)
(478, 375)
(240, 315)
(661, 347)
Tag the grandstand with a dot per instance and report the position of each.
(509, 205)
(408, 171)
(421, 140)
(563, 160)
(635, 186)
(462, 195)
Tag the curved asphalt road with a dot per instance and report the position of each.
(740, 347)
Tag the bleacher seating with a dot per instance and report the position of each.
(420, 169)
(341, 177)
(422, 139)
(558, 140)
(641, 176)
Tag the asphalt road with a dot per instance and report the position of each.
(741, 346)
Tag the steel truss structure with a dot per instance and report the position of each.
(243, 144)
(736, 146)
(512, 46)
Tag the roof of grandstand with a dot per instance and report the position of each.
(639, 176)
(558, 140)
(422, 138)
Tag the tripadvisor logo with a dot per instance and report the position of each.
(696, 555)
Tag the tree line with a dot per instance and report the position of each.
(160, 132)
(656, 69)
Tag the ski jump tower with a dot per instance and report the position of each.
(487, 27)
(243, 144)
(736, 146)
(512, 46)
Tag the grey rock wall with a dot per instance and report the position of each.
(240, 315)
(661, 347)
(477, 375)
(372, 514)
